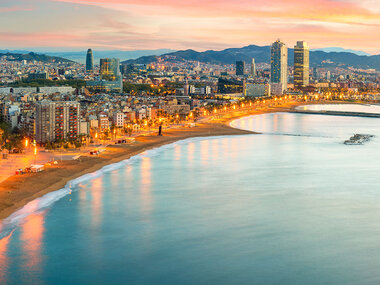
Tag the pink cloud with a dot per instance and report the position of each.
(199, 24)
(14, 9)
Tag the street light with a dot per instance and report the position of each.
(35, 154)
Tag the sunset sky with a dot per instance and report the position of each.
(182, 24)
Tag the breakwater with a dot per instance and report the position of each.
(337, 113)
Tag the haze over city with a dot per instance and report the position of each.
(201, 25)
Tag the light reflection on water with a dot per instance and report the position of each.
(292, 205)
(343, 108)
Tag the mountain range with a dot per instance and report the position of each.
(20, 56)
(339, 49)
(329, 57)
(80, 56)
(261, 54)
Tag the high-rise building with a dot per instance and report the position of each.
(186, 88)
(301, 64)
(57, 121)
(110, 75)
(315, 73)
(110, 68)
(328, 75)
(240, 67)
(253, 68)
(279, 64)
(89, 61)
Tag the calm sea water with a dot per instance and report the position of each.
(293, 205)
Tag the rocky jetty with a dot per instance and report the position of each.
(358, 139)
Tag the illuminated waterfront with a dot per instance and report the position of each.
(293, 205)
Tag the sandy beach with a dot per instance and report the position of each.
(17, 191)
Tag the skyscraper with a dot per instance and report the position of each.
(110, 75)
(253, 68)
(186, 88)
(279, 64)
(110, 68)
(89, 61)
(301, 64)
(240, 67)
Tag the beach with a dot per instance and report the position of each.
(18, 190)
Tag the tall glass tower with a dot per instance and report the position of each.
(253, 68)
(240, 67)
(89, 61)
(110, 68)
(301, 64)
(279, 64)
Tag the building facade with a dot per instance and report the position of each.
(56, 121)
(257, 90)
(228, 86)
(301, 64)
(118, 120)
(240, 67)
(279, 64)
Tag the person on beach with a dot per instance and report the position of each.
(160, 130)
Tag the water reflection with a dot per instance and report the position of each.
(190, 153)
(4, 258)
(285, 200)
(97, 201)
(32, 232)
(275, 122)
(146, 183)
(177, 152)
(204, 150)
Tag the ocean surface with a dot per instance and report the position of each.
(292, 205)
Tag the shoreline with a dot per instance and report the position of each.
(19, 190)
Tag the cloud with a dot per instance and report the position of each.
(14, 9)
(200, 24)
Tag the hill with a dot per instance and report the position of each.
(262, 54)
(33, 56)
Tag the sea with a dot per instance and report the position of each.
(291, 205)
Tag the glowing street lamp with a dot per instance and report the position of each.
(26, 142)
(35, 154)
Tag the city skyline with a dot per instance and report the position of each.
(130, 25)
